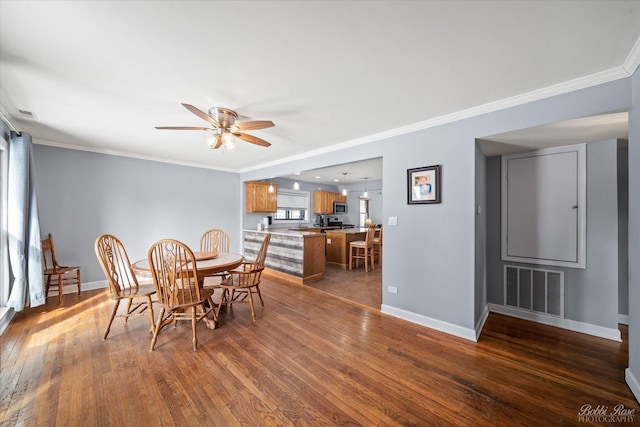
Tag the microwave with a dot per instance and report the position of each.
(340, 208)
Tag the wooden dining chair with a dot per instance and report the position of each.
(363, 249)
(212, 240)
(180, 297)
(215, 238)
(56, 275)
(243, 282)
(377, 244)
(123, 283)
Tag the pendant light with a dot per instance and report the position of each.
(365, 194)
(344, 187)
(296, 186)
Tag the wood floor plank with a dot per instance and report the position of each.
(309, 359)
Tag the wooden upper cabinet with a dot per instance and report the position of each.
(258, 198)
(323, 201)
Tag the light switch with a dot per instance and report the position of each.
(393, 220)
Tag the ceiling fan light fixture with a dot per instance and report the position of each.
(213, 140)
(228, 142)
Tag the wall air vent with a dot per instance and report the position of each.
(27, 114)
(540, 291)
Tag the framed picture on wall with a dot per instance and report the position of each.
(424, 185)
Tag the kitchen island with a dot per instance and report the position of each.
(338, 244)
(293, 256)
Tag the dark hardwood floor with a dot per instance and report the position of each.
(309, 360)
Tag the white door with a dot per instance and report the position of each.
(543, 206)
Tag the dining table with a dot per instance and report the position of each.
(207, 264)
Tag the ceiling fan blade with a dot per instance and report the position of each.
(201, 114)
(252, 139)
(181, 128)
(254, 125)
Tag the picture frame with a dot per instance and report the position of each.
(424, 185)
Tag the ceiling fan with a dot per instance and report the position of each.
(224, 127)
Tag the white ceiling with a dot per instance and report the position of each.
(99, 75)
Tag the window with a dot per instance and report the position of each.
(293, 206)
(363, 211)
(544, 207)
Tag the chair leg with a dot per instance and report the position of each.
(126, 316)
(259, 295)
(223, 300)
(60, 289)
(113, 315)
(156, 330)
(78, 277)
(150, 309)
(46, 291)
(253, 312)
(193, 326)
(213, 309)
(373, 258)
(366, 259)
(350, 257)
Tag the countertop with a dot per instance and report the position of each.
(286, 232)
(348, 231)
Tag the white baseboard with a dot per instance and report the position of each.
(439, 325)
(85, 286)
(633, 383)
(6, 314)
(572, 325)
(481, 321)
(623, 319)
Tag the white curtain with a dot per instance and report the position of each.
(25, 250)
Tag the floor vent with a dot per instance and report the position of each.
(540, 291)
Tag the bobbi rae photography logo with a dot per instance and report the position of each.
(604, 414)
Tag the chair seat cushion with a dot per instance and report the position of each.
(358, 243)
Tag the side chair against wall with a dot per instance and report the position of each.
(57, 276)
(180, 297)
(123, 284)
(363, 249)
(243, 282)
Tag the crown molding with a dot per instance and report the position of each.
(633, 59)
(129, 155)
(536, 95)
(631, 63)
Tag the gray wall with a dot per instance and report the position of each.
(623, 228)
(430, 255)
(82, 195)
(481, 235)
(633, 373)
(591, 294)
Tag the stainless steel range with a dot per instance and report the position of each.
(336, 221)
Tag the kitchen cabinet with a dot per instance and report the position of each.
(258, 198)
(323, 201)
(294, 257)
(338, 244)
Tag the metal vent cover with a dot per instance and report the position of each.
(536, 290)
